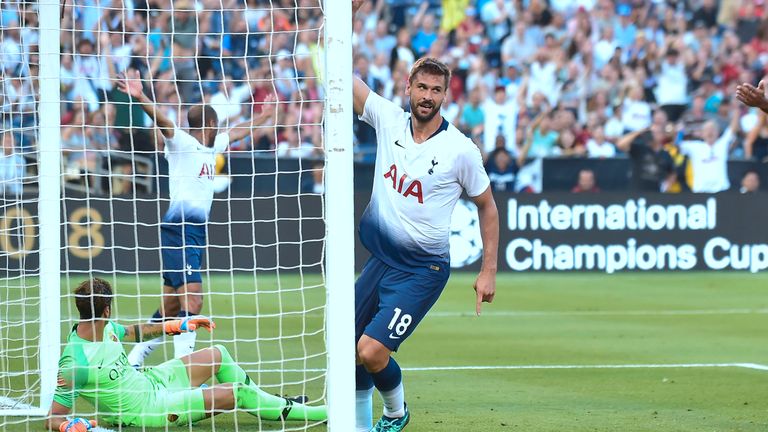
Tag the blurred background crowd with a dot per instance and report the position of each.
(649, 81)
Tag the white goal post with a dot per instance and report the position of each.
(47, 287)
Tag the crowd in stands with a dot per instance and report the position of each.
(648, 80)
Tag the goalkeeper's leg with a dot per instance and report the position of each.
(247, 395)
(169, 308)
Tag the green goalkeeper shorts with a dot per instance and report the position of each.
(175, 402)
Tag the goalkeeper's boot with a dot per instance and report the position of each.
(390, 424)
(301, 399)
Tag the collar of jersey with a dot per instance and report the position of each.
(443, 127)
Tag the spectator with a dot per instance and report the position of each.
(12, 167)
(501, 168)
(672, 85)
(567, 145)
(402, 52)
(294, 146)
(500, 116)
(598, 147)
(635, 112)
(709, 157)
(426, 35)
(586, 182)
(695, 118)
(750, 182)
(472, 117)
(652, 166)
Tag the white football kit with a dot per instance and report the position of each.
(709, 163)
(191, 167)
(416, 186)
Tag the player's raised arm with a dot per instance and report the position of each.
(131, 85)
(360, 90)
(485, 284)
(242, 130)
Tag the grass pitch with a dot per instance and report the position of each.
(567, 352)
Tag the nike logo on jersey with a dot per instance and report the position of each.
(397, 143)
(392, 336)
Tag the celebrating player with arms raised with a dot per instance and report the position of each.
(191, 158)
(422, 166)
(94, 366)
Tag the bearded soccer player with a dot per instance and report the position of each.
(191, 159)
(94, 366)
(423, 164)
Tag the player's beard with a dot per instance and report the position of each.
(426, 104)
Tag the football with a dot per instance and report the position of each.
(466, 241)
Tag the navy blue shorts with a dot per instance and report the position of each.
(390, 303)
(182, 248)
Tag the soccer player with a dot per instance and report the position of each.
(422, 166)
(191, 159)
(94, 366)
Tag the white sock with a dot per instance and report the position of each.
(394, 402)
(141, 350)
(364, 410)
(184, 344)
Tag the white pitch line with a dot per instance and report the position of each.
(539, 367)
(753, 366)
(491, 313)
(607, 366)
(451, 314)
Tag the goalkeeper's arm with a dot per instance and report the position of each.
(57, 420)
(141, 332)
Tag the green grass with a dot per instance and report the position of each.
(537, 319)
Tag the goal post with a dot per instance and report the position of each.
(49, 207)
(339, 215)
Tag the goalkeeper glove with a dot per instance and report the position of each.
(188, 324)
(77, 424)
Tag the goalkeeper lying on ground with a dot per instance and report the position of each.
(94, 366)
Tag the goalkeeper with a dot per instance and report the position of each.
(94, 366)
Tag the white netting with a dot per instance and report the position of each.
(262, 271)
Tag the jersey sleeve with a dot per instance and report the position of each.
(181, 141)
(379, 111)
(73, 374)
(221, 143)
(119, 330)
(470, 171)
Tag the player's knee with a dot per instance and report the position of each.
(220, 353)
(372, 356)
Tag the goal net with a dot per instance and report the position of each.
(87, 182)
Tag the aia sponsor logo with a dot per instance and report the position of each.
(403, 185)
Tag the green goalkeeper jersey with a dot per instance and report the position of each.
(100, 373)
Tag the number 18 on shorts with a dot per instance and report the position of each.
(390, 303)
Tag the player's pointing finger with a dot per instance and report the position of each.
(479, 303)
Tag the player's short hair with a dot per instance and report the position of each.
(92, 296)
(200, 115)
(431, 66)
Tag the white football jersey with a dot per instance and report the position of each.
(415, 188)
(709, 163)
(191, 167)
